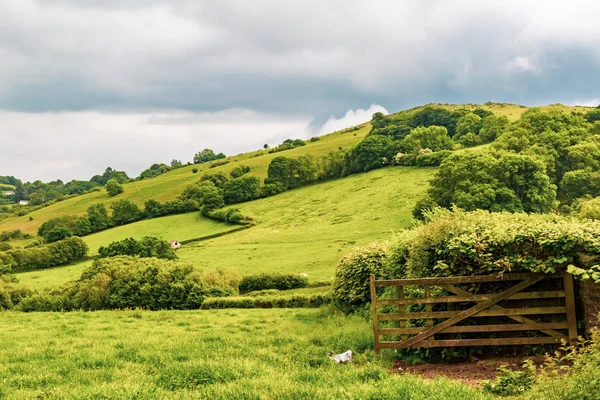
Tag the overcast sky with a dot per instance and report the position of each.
(86, 84)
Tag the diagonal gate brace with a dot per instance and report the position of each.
(467, 313)
(518, 318)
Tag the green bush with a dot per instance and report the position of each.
(148, 246)
(570, 374)
(252, 283)
(68, 222)
(351, 287)
(456, 243)
(278, 301)
(126, 282)
(15, 235)
(511, 382)
(11, 293)
(52, 255)
(57, 234)
(113, 187)
(432, 159)
(229, 215)
(5, 246)
(589, 209)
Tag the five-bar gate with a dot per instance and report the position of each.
(512, 309)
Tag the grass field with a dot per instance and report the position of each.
(170, 185)
(249, 354)
(305, 230)
(175, 227)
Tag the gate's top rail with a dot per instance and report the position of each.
(463, 279)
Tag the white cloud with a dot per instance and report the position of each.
(70, 145)
(587, 102)
(351, 118)
(521, 63)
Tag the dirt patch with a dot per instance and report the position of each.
(469, 372)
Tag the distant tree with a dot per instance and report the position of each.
(593, 115)
(109, 173)
(470, 123)
(218, 178)
(207, 155)
(113, 188)
(265, 146)
(176, 163)
(239, 171)
(278, 173)
(241, 189)
(67, 222)
(98, 217)
(433, 137)
(57, 234)
(153, 208)
(492, 127)
(20, 193)
(124, 212)
(37, 198)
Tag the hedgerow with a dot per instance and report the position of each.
(280, 301)
(148, 246)
(272, 281)
(52, 255)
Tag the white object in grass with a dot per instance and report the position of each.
(341, 358)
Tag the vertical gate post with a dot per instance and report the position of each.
(374, 312)
(570, 304)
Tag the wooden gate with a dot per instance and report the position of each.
(447, 310)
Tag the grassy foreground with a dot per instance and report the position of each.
(249, 354)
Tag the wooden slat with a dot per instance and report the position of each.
(374, 312)
(570, 304)
(518, 318)
(476, 342)
(472, 298)
(467, 313)
(480, 328)
(463, 279)
(428, 308)
(508, 312)
(401, 309)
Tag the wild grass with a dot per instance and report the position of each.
(234, 354)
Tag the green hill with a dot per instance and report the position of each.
(171, 184)
(305, 230)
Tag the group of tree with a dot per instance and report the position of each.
(544, 161)
(286, 145)
(207, 155)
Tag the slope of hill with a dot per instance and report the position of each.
(305, 230)
(171, 184)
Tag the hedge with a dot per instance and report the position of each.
(52, 255)
(272, 281)
(293, 301)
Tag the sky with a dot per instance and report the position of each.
(88, 84)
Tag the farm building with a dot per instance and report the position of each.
(175, 244)
(9, 193)
(23, 202)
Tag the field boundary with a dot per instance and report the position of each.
(502, 303)
(216, 235)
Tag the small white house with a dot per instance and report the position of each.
(23, 202)
(175, 244)
(9, 193)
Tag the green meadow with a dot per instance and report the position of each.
(305, 230)
(227, 354)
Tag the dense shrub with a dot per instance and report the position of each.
(219, 179)
(280, 301)
(455, 243)
(272, 281)
(589, 209)
(239, 171)
(68, 222)
(148, 246)
(229, 215)
(11, 293)
(57, 234)
(125, 212)
(113, 188)
(241, 189)
(58, 253)
(125, 282)
(5, 236)
(7, 262)
(351, 287)
(432, 159)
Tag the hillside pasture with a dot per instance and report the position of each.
(171, 184)
(305, 230)
(233, 354)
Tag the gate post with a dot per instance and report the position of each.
(570, 304)
(374, 312)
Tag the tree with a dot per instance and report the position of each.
(470, 123)
(113, 187)
(37, 198)
(57, 234)
(278, 173)
(153, 208)
(124, 212)
(207, 155)
(98, 217)
(434, 137)
(265, 146)
(176, 163)
(593, 115)
(492, 127)
(241, 189)
(20, 193)
(372, 152)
